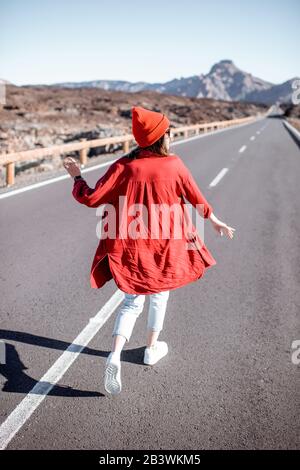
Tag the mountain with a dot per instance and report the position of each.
(224, 81)
(277, 93)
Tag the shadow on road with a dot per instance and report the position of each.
(18, 381)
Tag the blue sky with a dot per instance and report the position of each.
(45, 41)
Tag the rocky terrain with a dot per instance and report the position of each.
(42, 116)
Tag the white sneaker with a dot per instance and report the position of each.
(153, 354)
(112, 380)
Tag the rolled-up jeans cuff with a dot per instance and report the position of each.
(132, 307)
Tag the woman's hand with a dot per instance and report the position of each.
(221, 227)
(72, 166)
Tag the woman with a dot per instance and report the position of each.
(142, 264)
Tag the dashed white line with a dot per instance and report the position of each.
(28, 405)
(242, 149)
(252, 137)
(219, 176)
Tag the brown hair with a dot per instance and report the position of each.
(157, 147)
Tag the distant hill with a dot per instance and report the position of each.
(224, 81)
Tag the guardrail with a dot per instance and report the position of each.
(9, 159)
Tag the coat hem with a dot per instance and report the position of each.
(148, 292)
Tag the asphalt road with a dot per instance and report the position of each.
(228, 380)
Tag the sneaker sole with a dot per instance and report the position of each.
(112, 384)
(155, 362)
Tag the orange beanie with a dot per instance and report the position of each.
(148, 126)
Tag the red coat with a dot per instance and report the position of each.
(146, 265)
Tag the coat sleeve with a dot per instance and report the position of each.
(105, 189)
(192, 193)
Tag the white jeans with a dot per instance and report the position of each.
(132, 307)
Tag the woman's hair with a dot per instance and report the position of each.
(158, 147)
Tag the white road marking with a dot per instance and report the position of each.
(219, 176)
(242, 149)
(59, 178)
(252, 138)
(257, 132)
(34, 398)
